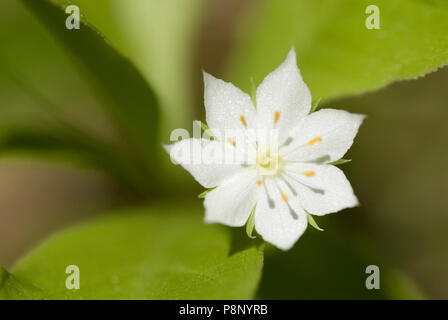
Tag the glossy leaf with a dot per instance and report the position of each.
(336, 53)
(151, 253)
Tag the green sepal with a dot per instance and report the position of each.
(253, 94)
(312, 222)
(250, 224)
(314, 105)
(340, 161)
(205, 128)
(203, 194)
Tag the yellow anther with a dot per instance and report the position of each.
(313, 141)
(284, 197)
(259, 182)
(309, 173)
(230, 140)
(276, 116)
(243, 120)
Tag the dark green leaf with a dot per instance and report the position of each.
(63, 144)
(123, 91)
(160, 40)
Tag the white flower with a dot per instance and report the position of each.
(281, 182)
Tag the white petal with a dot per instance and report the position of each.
(326, 134)
(321, 189)
(225, 106)
(277, 221)
(209, 162)
(232, 202)
(283, 92)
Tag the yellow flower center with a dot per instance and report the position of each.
(268, 163)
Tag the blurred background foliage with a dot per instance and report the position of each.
(81, 128)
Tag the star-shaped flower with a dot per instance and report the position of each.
(280, 170)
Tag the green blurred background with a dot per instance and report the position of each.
(398, 169)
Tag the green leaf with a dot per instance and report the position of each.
(152, 253)
(161, 40)
(13, 288)
(124, 93)
(250, 224)
(340, 161)
(312, 222)
(336, 53)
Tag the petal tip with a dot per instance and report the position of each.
(206, 76)
(292, 56)
(292, 51)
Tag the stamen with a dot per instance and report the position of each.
(230, 140)
(316, 190)
(287, 142)
(259, 182)
(294, 192)
(271, 202)
(309, 173)
(285, 198)
(243, 120)
(313, 141)
(276, 116)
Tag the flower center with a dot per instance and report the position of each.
(268, 163)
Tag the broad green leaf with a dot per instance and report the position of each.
(11, 287)
(39, 85)
(160, 38)
(152, 253)
(70, 146)
(125, 94)
(336, 53)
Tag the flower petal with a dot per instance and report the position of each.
(321, 189)
(227, 107)
(232, 201)
(209, 162)
(277, 219)
(283, 98)
(323, 136)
